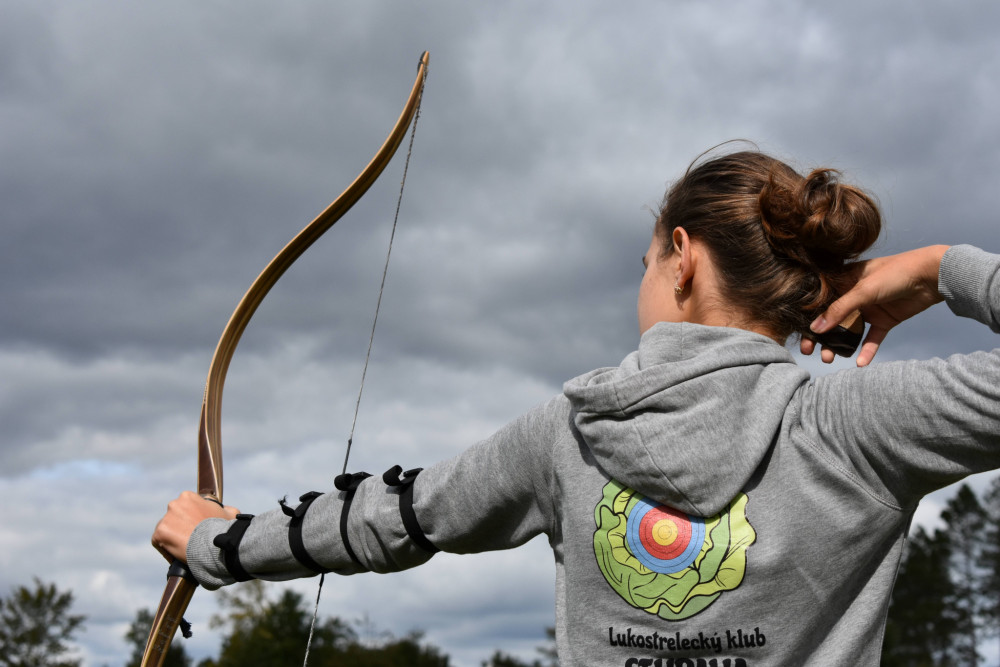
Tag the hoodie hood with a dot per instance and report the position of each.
(689, 416)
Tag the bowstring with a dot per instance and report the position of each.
(371, 340)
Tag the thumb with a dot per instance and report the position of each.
(839, 310)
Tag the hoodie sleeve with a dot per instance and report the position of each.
(495, 495)
(904, 429)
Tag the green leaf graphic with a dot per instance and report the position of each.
(719, 567)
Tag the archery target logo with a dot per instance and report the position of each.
(664, 539)
(665, 561)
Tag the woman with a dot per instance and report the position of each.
(706, 499)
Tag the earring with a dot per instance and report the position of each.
(678, 289)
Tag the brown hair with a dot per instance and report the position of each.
(780, 241)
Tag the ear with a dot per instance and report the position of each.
(686, 258)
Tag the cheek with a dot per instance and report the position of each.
(649, 288)
(645, 303)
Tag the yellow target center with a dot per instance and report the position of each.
(665, 532)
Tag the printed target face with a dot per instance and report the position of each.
(662, 538)
(681, 558)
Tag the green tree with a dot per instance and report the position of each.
(549, 650)
(35, 626)
(921, 623)
(392, 652)
(264, 632)
(501, 659)
(966, 520)
(137, 635)
(268, 633)
(991, 558)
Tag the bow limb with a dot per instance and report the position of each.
(180, 583)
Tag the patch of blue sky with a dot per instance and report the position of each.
(83, 469)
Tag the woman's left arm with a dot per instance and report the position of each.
(495, 495)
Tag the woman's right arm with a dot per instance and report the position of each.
(909, 427)
(888, 291)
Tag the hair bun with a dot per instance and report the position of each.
(817, 220)
(780, 243)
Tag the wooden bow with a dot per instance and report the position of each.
(180, 582)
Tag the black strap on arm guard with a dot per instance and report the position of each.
(404, 482)
(295, 542)
(348, 483)
(229, 543)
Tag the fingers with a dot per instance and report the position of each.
(167, 541)
(163, 552)
(868, 348)
(888, 290)
(840, 310)
(184, 513)
(807, 345)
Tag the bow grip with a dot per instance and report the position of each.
(181, 585)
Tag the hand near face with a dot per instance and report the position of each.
(889, 290)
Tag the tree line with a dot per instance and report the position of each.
(36, 630)
(946, 601)
(945, 606)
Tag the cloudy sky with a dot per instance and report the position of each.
(155, 156)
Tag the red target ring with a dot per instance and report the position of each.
(664, 532)
(663, 539)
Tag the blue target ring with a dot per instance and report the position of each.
(668, 525)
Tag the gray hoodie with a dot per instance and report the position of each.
(706, 502)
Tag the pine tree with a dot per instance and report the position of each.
(921, 622)
(966, 520)
(991, 558)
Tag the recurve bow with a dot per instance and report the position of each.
(180, 583)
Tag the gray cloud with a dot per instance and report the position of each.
(156, 157)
